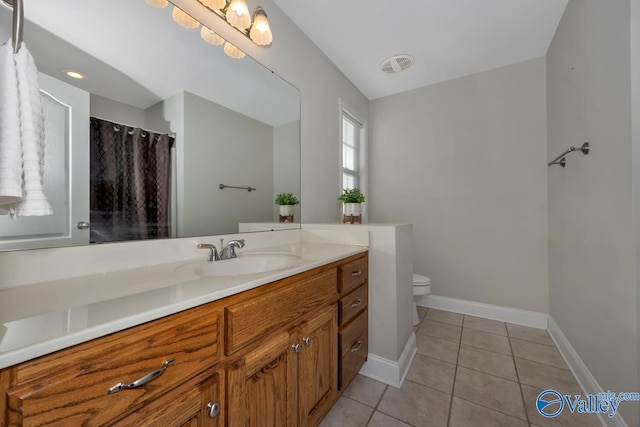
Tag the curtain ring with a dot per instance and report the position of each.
(116, 128)
(144, 134)
(130, 132)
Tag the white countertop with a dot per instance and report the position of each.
(40, 318)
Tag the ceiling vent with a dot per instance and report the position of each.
(397, 63)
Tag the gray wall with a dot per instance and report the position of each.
(114, 111)
(591, 240)
(286, 164)
(465, 162)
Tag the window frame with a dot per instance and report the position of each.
(361, 172)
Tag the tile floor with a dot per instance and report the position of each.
(469, 372)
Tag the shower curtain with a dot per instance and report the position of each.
(130, 182)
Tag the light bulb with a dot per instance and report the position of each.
(233, 51)
(214, 4)
(183, 19)
(157, 3)
(238, 14)
(210, 37)
(260, 31)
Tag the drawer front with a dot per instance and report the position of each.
(352, 304)
(353, 348)
(352, 275)
(79, 393)
(249, 321)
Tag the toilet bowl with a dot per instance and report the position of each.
(421, 286)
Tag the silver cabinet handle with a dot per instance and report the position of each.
(142, 380)
(307, 341)
(214, 409)
(356, 273)
(356, 303)
(296, 348)
(357, 347)
(82, 225)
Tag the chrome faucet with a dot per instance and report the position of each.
(213, 252)
(229, 250)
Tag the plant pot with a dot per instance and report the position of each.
(354, 209)
(286, 210)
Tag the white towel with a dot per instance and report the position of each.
(10, 140)
(34, 202)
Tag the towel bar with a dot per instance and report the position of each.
(560, 160)
(18, 21)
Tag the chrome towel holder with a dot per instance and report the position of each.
(249, 189)
(562, 161)
(18, 21)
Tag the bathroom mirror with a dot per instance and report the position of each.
(234, 121)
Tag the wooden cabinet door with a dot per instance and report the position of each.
(197, 403)
(261, 386)
(317, 362)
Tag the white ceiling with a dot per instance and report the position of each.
(447, 38)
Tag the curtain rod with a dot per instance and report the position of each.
(173, 135)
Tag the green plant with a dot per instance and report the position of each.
(286, 199)
(351, 195)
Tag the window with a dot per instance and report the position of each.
(352, 158)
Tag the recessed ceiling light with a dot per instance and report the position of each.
(74, 74)
(397, 63)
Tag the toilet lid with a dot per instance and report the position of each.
(420, 280)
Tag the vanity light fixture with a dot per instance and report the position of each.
(235, 13)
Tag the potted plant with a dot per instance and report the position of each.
(352, 199)
(286, 201)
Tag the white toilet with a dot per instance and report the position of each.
(421, 286)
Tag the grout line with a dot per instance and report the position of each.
(455, 375)
(524, 402)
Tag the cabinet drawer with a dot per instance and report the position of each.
(351, 304)
(352, 275)
(75, 389)
(353, 349)
(250, 320)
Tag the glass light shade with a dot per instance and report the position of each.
(233, 51)
(238, 14)
(260, 31)
(214, 4)
(210, 37)
(184, 19)
(157, 3)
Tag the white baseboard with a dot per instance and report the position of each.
(532, 319)
(387, 371)
(585, 379)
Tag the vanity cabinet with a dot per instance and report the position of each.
(275, 355)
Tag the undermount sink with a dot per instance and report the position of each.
(246, 263)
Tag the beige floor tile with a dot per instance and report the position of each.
(543, 376)
(440, 349)
(486, 341)
(489, 391)
(445, 317)
(467, 414)
(564, 419)
(440, 330)
(489, 362)
(383, 420)
(347, 413)
(365, 390)
(538, 353)
(416, 404)
(432, 373)
(485, 325)
(422, 312)
(540, 336)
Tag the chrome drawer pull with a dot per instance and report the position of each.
(142, 380)
(296, 348)
(307, 341)
(356, 303)
(214, 409)
(357, 347)
(356, 273)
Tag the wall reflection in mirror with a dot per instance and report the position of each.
(138, 148)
